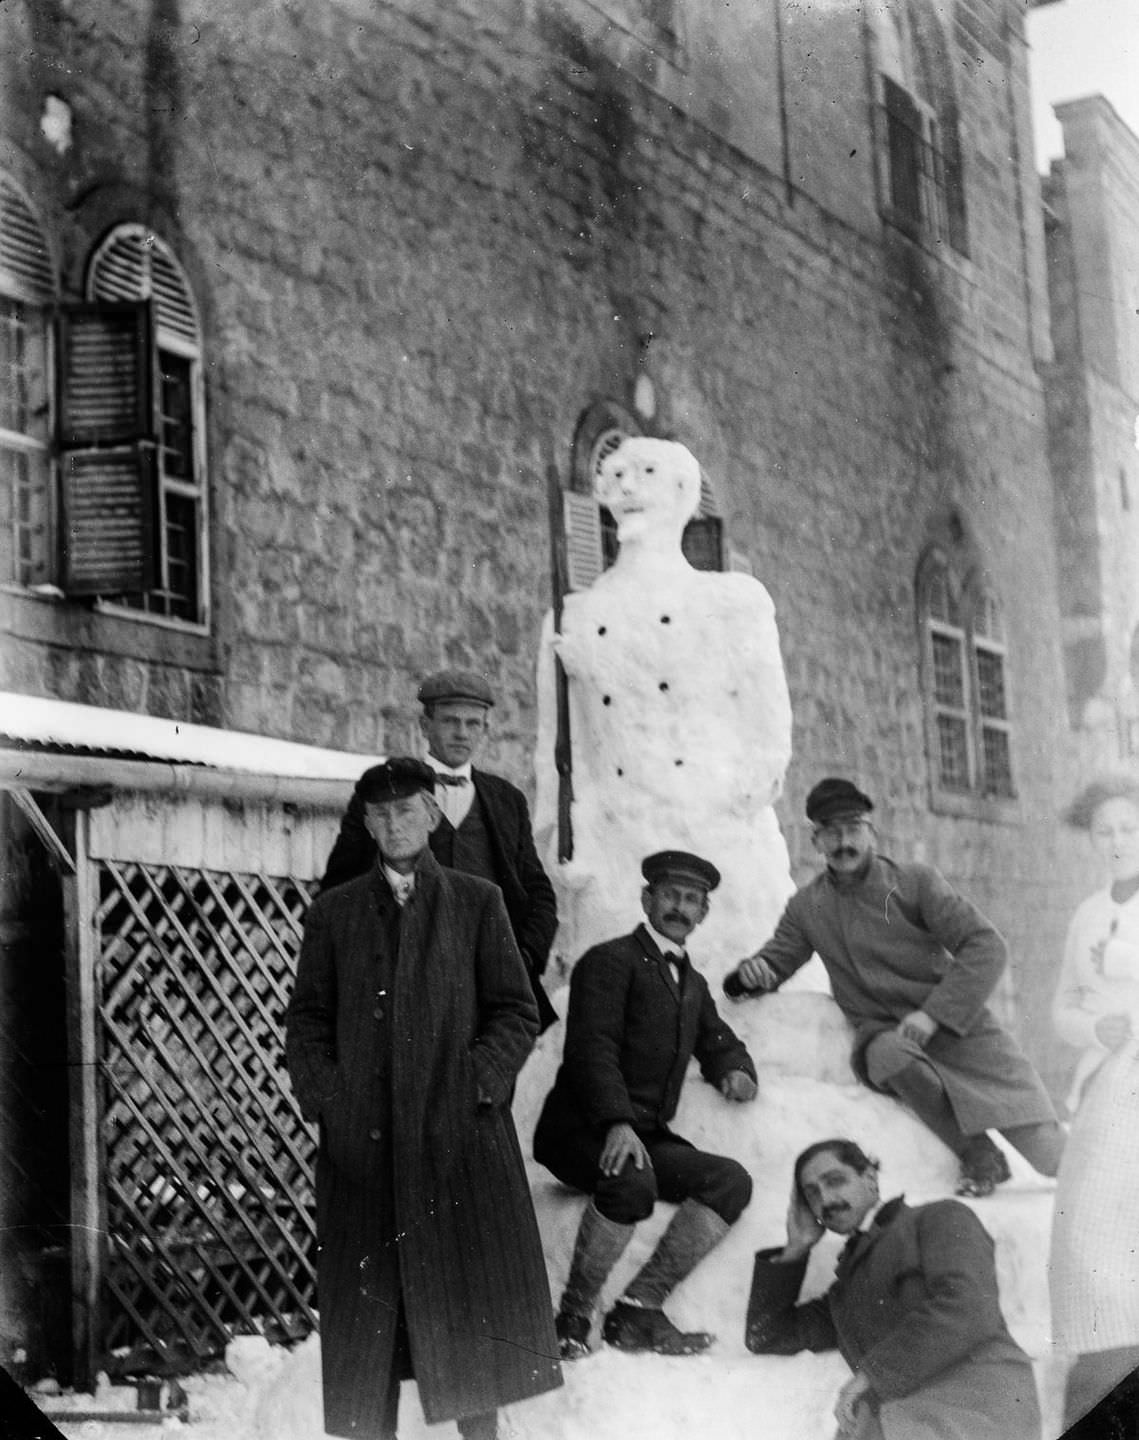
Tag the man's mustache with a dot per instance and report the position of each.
(675, 915)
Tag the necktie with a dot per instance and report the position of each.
(402, 889)
(441, 779)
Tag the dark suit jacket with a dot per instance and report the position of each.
(915, 1307)
(630, 1033)
(525, 886)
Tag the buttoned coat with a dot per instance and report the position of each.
(914, 1307)
(526, 889)
(631, 1030)
(408, 1151)
(900, 938)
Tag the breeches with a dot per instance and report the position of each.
(678, 1172)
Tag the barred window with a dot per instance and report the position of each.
(965, 683)
(922, 182)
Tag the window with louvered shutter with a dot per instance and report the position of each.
(591, 531)
(107, 444)
(27, 287)
(132, 263)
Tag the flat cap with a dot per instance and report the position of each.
(455, 685)
(834, 796)
(1081, 812)
(680, 865)
(395, 779)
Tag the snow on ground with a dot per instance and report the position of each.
(806, 1092)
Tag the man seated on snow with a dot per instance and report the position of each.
(911, 965)
(913, 1308)
(638, 1012)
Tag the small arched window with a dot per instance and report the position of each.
(134, 269)
(964, 681)
(591, 531)
(27, 289)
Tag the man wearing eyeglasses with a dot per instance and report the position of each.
(912, 965)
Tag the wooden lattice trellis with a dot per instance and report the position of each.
(206, 1161)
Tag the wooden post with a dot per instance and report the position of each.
(559, 579)
(87, 1205)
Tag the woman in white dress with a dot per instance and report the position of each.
(1094, 1265)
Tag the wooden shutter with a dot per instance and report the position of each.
(904, 146)
(583, 539)
(703, 543)
(107, 447)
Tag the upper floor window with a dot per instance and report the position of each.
(965, 683)
(920, 152)
(591, 531)
(27, 290)
(133, 265)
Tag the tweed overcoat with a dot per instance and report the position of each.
(422, 1198)
(630, 1032)
(526, 889)
(915, 1308)
(900, 938)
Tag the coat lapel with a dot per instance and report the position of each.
(661, 967)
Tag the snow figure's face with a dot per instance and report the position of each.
(649, 486)
(400, 827)
(839, 1195)
(674, 908)
(455, 730)
(1115, 836)
(847, 842)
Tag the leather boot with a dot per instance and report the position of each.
(600, 1244)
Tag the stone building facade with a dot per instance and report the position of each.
(1092, 389)
(401, 258)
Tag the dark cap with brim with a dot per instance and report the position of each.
(395, 779)
(462, 685)
(680, 865)
(834, 797)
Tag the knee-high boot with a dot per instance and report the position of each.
(600, 1244)
(692, 1232)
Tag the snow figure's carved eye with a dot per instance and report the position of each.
(663, 685)
(620, 771)
(678, 762)
(606, 699)
(666, 619)
(650, 469)
(601, 629)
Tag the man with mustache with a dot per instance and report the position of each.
(912, 964)
(638, 1012)
(914, 1309)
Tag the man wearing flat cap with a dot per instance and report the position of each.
(410, 1019)
(638, 1012)
(485, 827)
(912, 965)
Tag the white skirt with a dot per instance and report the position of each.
(1094, 1265)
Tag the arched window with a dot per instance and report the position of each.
(27, 288)
(922, 182)
(964, 681)
(591, 532)
(133, 267)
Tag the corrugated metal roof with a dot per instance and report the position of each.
(37, 722)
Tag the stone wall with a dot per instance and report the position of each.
(424, 236)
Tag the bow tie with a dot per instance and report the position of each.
(441, 779)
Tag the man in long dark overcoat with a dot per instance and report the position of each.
(912, 964)
(638, 1012)
(485, 826)
(914, 1308)
(409, 1022)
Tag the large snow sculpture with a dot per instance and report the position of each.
(680, 722)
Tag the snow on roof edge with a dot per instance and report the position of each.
(43, 720)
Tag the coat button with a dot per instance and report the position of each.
(378, 1012)
(374, 1134)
